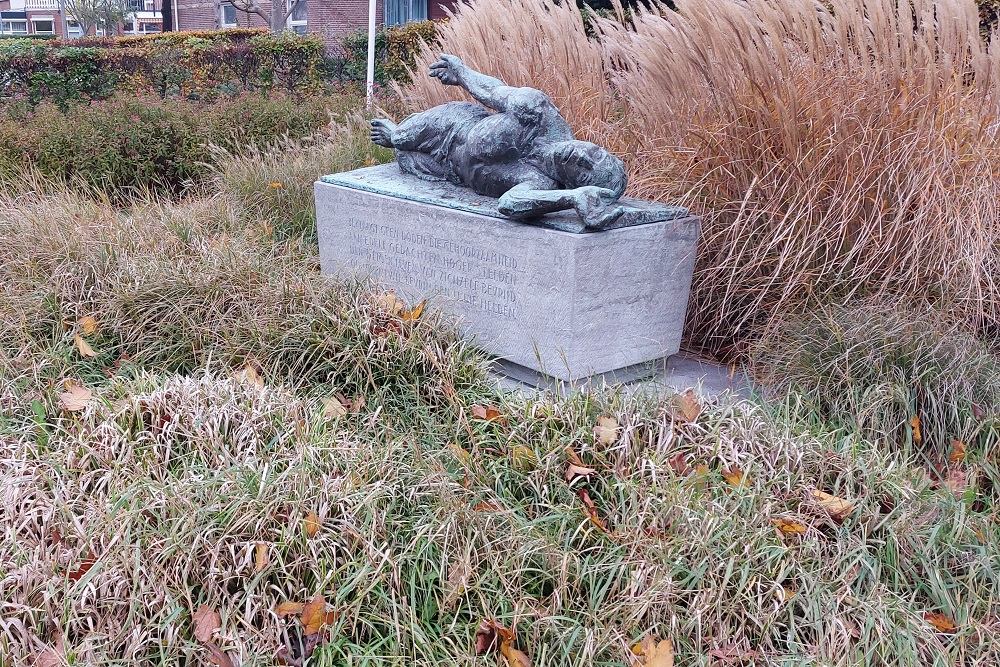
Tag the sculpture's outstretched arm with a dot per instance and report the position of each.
(597, 207)
(527, 104)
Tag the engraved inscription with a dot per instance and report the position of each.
(482, 279)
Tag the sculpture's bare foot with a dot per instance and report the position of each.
(381, 132)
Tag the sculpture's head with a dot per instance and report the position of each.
(580, 163)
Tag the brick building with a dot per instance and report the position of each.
(331, 19)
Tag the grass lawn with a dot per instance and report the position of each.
(209, 454)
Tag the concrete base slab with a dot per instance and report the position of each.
(562, 304)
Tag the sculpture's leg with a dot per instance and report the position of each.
(381, 132)
(421, 165)
(597, 207)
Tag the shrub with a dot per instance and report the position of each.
(127, 145)
(898, 376)
(831, 151)
(196, 65)
(395, 52)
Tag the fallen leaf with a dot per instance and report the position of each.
(735, 476)
(461, 454)
(276, 185)
(206, 622)
(838, 508)
(390, 303)
(592, 511)
(333, 408)
(606, 431)
(957, 453)
(261, 557)
(514, 657)
(217, 656)
(249, 374)
(312, 524)
(654, 653)
(486, 413)
(729, 655)
(76, 397)
(83, 568)
(575, 467)
(686, 406)
(486, 637)
(524, 458)
(413, 314)
(678, 463)
(940, 622)
(314, 615)
(789, 526)
(83, 347)
(915, 425)
(87, 324)
(289, 609)
(957, 481)
(485, 506)
(978, 412)
(787, 594)
(52, 656)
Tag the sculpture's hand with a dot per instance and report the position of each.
(448, 69)
(598, 207)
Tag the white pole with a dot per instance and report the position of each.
(370, 79)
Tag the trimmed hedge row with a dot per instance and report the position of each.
(193, 65)
(395, 50)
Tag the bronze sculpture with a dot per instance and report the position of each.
(523, 152)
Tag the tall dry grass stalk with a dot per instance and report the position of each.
(834, 149)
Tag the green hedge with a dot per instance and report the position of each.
(395, 49)
(132, 144)
(195, 65)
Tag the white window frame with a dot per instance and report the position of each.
(302, 23)
(42, 19)
(222, 16)
(11, 31)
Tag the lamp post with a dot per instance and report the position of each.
(370, 77)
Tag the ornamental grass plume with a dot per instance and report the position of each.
(835, 150)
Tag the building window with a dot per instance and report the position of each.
(43, 26)
(398, 12)
(298, 19)
(227, 17)
(14, 27)
(75, 31)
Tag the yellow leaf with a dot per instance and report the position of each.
(838, 508)
(940, 622)
(514, 657)
(686, 406)
(76, 397)
(524, 458)
(333, 408)
(787, 594)
(249, 374)
(312, 524)
(83, 347)
(289, 609)
(276, 185)
(606, 430)
(592, 514)
(413, 314)
(915, 425)
(957, 454)
(655, 653)
(735, 476)
(314, 615)
(460, 453)
(789, 526)
(206, 623)
(260, 557)
(87, 324)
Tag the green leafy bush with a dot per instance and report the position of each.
(126, 145)
(395, 52)
(191, 65)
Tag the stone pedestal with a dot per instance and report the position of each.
(568, 305)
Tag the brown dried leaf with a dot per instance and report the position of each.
(261, 557)
(314, 615)
(312, 523)
(573, 471)
(735, 476)
(686, 406)
(654, 653)
(789, 526)
(678, 463)
(838, 508)
(83, 347)
(289, 609)
(217, 656)
(206, 622)
(915, 426)
(595, 518)
(941, 622)
(606, 431)
(76, 397)
(486, 636)
(957, 481)
(333, 408)
(514, 657)
(461, 454)
(84, 567)
(957, 453)
(52, 656)
(486, 413)
(249, 374)
(390, 303)
(87, 324)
